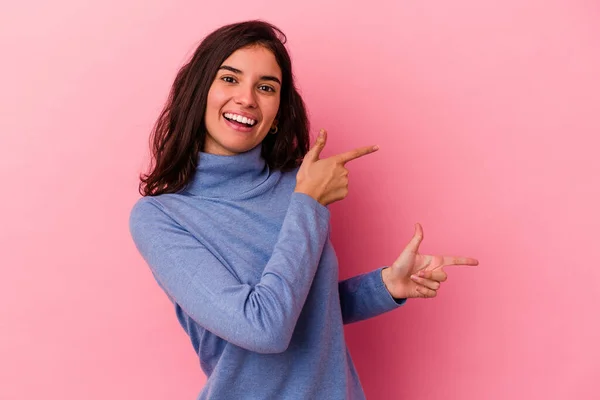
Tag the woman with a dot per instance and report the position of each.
(234, 225)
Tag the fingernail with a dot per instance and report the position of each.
(375, 147)
(414, 277)
(321, 133)
(421, 273)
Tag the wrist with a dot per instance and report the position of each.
(387, 281)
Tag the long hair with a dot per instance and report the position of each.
(180, 132)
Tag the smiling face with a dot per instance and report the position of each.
(242, 102)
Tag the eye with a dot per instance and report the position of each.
(228, 79)
(266, 88)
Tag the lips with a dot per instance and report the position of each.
(242, 117)
(238, 126)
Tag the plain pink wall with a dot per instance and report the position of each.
(487, 115)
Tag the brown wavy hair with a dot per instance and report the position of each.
(180, 132)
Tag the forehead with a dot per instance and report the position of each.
(254, 60)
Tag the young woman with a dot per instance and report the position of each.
(234, 225)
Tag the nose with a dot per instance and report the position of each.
(245, 96)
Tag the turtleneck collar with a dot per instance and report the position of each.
(228, 176)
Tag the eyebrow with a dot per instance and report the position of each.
(262, 78)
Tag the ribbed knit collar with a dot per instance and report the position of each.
(229, 176)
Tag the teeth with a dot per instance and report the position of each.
(239, 118)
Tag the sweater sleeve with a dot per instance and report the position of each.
(365, 296)
(259, 318)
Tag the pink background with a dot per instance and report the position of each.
(487, 115)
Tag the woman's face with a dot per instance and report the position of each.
(243, 101)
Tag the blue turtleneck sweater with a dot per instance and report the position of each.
(249, 266)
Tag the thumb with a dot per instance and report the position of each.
(416, 240)
(315, 151)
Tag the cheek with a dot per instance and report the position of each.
(216, 99)
(270, 108)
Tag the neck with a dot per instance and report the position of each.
(228, 176)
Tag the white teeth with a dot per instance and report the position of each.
(239, 118)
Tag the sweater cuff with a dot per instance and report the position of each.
(378, 298)
(303, 198)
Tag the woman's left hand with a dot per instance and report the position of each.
(418, 275)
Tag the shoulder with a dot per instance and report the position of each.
(289, 175)
(144, 208)
(148, 217)
(152, 207)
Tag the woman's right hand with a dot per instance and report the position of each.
(326, 180)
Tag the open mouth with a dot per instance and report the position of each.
(239, 120)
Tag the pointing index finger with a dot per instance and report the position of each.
(356, 153)
(459, 261)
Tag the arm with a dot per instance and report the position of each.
(259, 318)
(365, 296)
